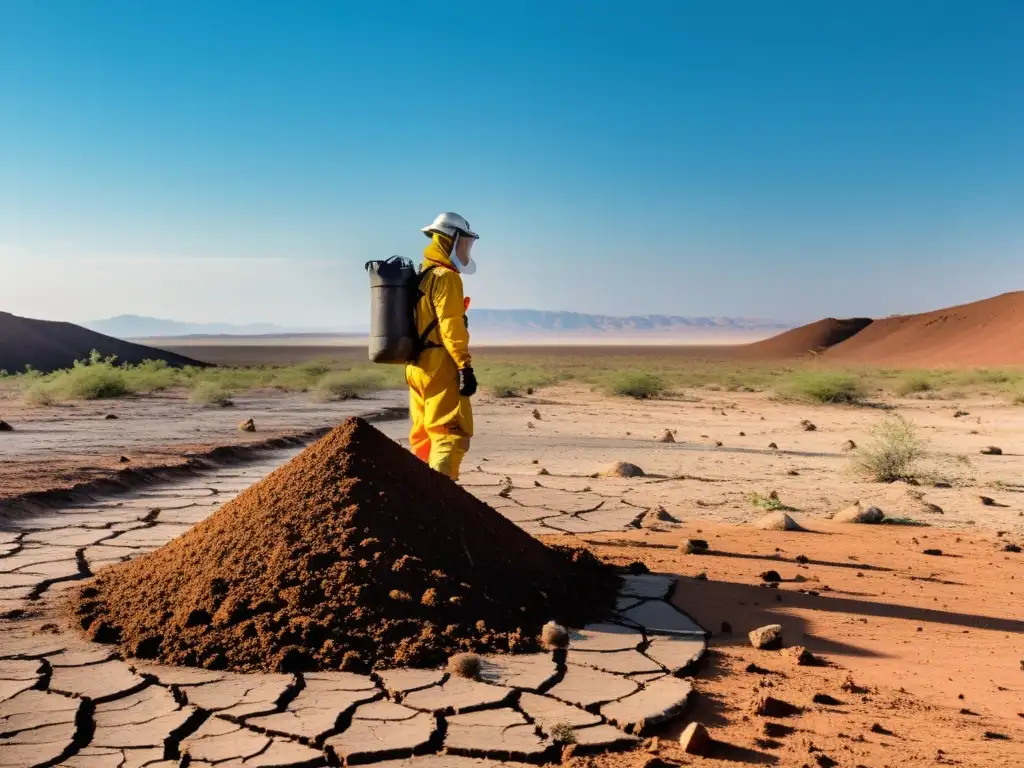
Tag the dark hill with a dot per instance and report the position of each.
(49, 346)
(808, 339)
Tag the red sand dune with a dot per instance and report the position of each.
(983, 333)
(805, 340)
(48, 346)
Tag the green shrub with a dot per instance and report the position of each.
(914, 384)
(821, 387)
(211, 394)
(36, 393)
(770, 503)
(892, 452)
(641, 386)
(346, 385)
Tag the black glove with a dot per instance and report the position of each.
(467, 381)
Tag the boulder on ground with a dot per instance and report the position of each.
(778, 521)
(767, 638)
(623, 469)
(855, 513)
(5, 427)
(248, 426)
(992, 450)
(773, 446)
(808, 426)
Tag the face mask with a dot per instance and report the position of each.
(463, 269)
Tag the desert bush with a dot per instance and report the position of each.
(770, 503)
(210, 393)
(346, 385)
(821, 387)
(914, 384)
(467, 665)
(892, 452)
(36, 393)
(563, 733)
(635, 384)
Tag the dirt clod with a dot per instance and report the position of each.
(770, 576)
(773, 446)
(299, 570)
(769, 706)
(767, 638)
(623, 469)
(808, 426)
(934, 552)
(778, 521)
(247, 426)
(668, 437)
(992, 450)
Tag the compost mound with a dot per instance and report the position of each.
(354, 555)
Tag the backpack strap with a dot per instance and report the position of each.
(424, 342)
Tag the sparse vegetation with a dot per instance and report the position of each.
(467, 665)
(641, 386)
(210, 394)
(914, 384)
(346, 385)
(892, 453)
(770, 503)
(821, 386)
(563, 733)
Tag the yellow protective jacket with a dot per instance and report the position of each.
(442, 420)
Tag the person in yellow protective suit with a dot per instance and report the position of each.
(441, 380)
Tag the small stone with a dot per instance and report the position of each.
(695, 740)
(536, 414)
(849, 445)
(802, 559)
(824, 761)
(124, 460)
(543, 471)
(773, 446)
(771, 576)
(880, 729)
(743, 434)
(778, 521)
(111, 417)
(988, 501)
(857, 514)
(5, 427)
(718, 443)
(535, 461)
(801, 656)
(529, 390)
(623, 469)
(530, 425)
(935, 552)
(769, 706)
(668, 437)
(793, 473)
(958, 414)
(695, 547)
(824, 698)
(808, 426)
(702, 576)
(247, 426)
(992, 450)
(1011, 548)
(767, 638)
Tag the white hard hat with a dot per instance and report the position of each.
(450, 224)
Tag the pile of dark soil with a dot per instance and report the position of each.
(48, 346)
(352, 556)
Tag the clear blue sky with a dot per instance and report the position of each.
(239, 161)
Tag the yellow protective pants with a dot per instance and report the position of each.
(442, 420)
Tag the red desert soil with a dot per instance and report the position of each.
(48, 346)
(353, 555)
(807, 339)
(983, 333)
(921, 655)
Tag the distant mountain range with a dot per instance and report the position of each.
(492, 323)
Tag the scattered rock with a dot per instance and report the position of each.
(824, 761)
(529, 390)
(668, 437)
(743, 434)
(934, 509)
(111, 417)
(702, 576)
(777, 730)
(994, 735)
(623, 469)
(124, 460)
(793, 473)
(849, 445)
(695, 547)
(695, 740)
(857, 514)
(505, 487)
(653, 517)
(808, 426)
(530, 425)
(1011, 548)
(802, 559)
(935, 552)
(988, 501)
(543, 471)
(880, 729)
(535, 461)
(778, 521)
(719, 443)
(5, 427)
(769, 706)
(536, 415)
(824, 698)
(247, 426)
(767, 638)
(773, 446)
(465, 665)
(554, 635)
(770, 576)
(992, 450)
(801, 656)
(958, 414)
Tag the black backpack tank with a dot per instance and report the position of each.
(394, 293)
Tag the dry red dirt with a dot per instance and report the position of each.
(48, 346)
(921, 655)
(353, 555)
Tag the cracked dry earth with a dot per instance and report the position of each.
(64, 701)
